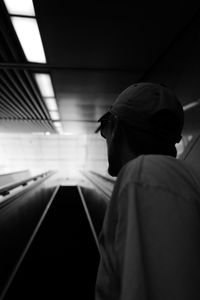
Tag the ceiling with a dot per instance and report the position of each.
(94, 50)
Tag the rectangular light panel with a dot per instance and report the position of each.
(20, 7)
(51, 103)
(29, 36)
(45, 85)
(54, 115)
(60, 130)
(57, 124)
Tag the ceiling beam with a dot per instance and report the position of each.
(46, 67)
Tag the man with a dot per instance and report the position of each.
(150, 240)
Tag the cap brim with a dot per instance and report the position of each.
(103, 118)
(98, 129)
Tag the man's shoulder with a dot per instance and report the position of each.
(151, 169)
(148, 162)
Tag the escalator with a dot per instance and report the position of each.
(62, 256)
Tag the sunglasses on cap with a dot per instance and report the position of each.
(104, 127)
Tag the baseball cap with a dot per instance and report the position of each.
(151, 107)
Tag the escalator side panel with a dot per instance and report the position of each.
(17, 222)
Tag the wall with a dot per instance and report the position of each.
(66, 153)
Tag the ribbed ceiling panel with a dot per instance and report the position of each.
(20, 99)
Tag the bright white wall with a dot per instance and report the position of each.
(66, 153)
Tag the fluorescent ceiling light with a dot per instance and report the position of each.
(29, 36)
(20, 7)
(51, 103)
(54, 115)
(57, 124)
(60, 130)
(45, 85)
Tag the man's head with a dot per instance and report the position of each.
(146, 118)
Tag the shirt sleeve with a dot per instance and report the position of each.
(155, 246)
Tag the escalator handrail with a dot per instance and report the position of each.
(13, 173)
(88, 217)
(98, 183)
(112, 180)
(6, 188)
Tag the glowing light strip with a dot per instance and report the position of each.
(57, 124)
(45, 85)
(51, 103)
(20, 7)
(54, 115)
(29, 36)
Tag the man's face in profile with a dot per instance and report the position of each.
(113, 154)
(113, 146)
